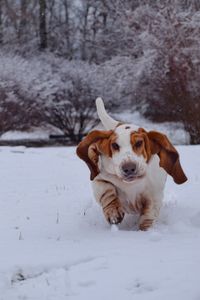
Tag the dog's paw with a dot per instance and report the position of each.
(114, 212)
(145, 223)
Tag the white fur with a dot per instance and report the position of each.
(108, 122)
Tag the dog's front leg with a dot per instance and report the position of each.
(106, 195)
(148, 213)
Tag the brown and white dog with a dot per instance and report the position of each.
(129, 168)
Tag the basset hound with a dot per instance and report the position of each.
(129, 167)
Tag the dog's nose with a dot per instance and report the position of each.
(129, 168)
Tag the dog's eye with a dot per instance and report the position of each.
(138, 144)
(115, 146)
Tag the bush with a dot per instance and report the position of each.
(170, 86)
(48, 89)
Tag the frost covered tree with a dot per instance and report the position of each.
(170, 87)
(140, 54)
(1, 23)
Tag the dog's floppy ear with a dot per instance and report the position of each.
(88, 150)
(169, 157)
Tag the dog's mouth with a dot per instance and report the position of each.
(131, 178)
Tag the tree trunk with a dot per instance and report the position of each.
(69, 48)
(94, 32)
(194, 132)
(190, 117)
(85, 24)
(23, 20)
(43, 29)
(1, 24)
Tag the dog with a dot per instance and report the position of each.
(128, 168)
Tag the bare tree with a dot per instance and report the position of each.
(74, 121)
(75, 115)
(17, 115)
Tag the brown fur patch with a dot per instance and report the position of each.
(104, 146)
(144, 148)
(95, 143)
(145, 206)
(169, 157)
(145, 221)
(88, 151)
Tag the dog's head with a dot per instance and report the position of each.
(126, 152)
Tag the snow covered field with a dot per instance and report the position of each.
(56, 245)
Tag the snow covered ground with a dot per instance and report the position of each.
(56, 245)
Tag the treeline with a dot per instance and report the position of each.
(137, 54)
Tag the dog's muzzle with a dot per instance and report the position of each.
(129, 171)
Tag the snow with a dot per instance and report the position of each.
(18, 135)
(55, 243)
(34, 133)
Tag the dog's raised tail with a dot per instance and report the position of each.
(108, 122)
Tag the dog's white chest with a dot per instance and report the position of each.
(129, 194)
